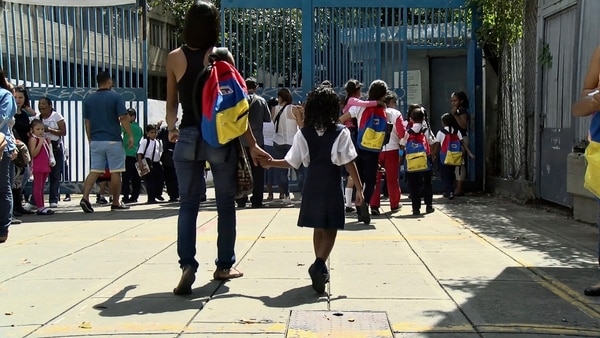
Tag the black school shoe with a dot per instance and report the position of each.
(363, 213)
(593, 291)
(318, 278)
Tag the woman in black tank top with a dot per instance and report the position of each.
(191, 152)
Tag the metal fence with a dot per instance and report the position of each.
(56, 52)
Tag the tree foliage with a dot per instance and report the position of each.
(502, 23)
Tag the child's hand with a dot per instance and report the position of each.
(265, 163)
(360, 199)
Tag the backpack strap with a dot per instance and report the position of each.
(278, 117)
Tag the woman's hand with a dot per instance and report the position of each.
(173, 135)
(258, 155)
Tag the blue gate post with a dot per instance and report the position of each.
(308, 47)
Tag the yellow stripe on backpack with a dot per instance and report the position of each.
(592, 174)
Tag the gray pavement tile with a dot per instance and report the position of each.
(389, 250)
(256, 305)
(411, 315)
(120, 316)
(384, 281)
(276, 265)
(483, 264)
(16, 331)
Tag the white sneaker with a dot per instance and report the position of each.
(53, 205)
(297, 197)
(29, 207)
(287, 200)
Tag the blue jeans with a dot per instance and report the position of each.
(6, 198)
(190, 151)
(56, 174)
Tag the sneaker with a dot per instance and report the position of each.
(15, 221)
(86, 206)
(118, 207)
(297, 197)
(53, 205)
(101, 200)
(160, 198)
(451, 196)
(30, 207)
(375, 211)
(287, 200)
(429, 209)
(416, 212)
(67, 198)
(396, 209)
(350, 209)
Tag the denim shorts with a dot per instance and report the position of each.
(107, 153)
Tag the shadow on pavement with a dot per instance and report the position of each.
(120, 306)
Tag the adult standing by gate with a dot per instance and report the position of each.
(55, 129)
(104, 113)
(201, 34)
(8, 107)
(259, 113)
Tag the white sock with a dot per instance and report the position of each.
(348, 196)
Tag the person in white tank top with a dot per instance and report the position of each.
(287, 119)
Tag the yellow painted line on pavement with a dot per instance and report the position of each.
(527, 328)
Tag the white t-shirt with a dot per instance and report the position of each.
(52, 122)
(342, 151)
(394, 143)
(417, 127)
(154, 150)
(268, 132)
(441, 136)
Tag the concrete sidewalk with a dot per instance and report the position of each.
(477, 267)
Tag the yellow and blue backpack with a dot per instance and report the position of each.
(592, 156)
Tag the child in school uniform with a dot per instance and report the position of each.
(151, 149)
(353, 94)
(419, 182)
(40, 149)
(322, 146)
(447, 171)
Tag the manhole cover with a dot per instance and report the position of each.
(332, 324)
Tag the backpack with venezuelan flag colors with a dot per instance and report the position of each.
(223, 97)
(591, 180)
(373, 129)
(451, 150)
(416, 151)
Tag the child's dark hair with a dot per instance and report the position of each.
(150, 128)
(416, 113)
(322, 108)
(377, 90)
(35, 122)
(448, 121)
(462, 97)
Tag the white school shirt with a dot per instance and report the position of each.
(441, 136)
(152, 152)
(417, 127)
(342, 151)
(394, 143)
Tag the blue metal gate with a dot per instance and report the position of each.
(56, 52)
(282, 47)
(300, 43)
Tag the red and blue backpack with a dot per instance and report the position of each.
(373, 129)
(416, 151)
(451, 150)
(224, 101)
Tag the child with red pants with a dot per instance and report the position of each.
(40, 150)
(389, 159)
